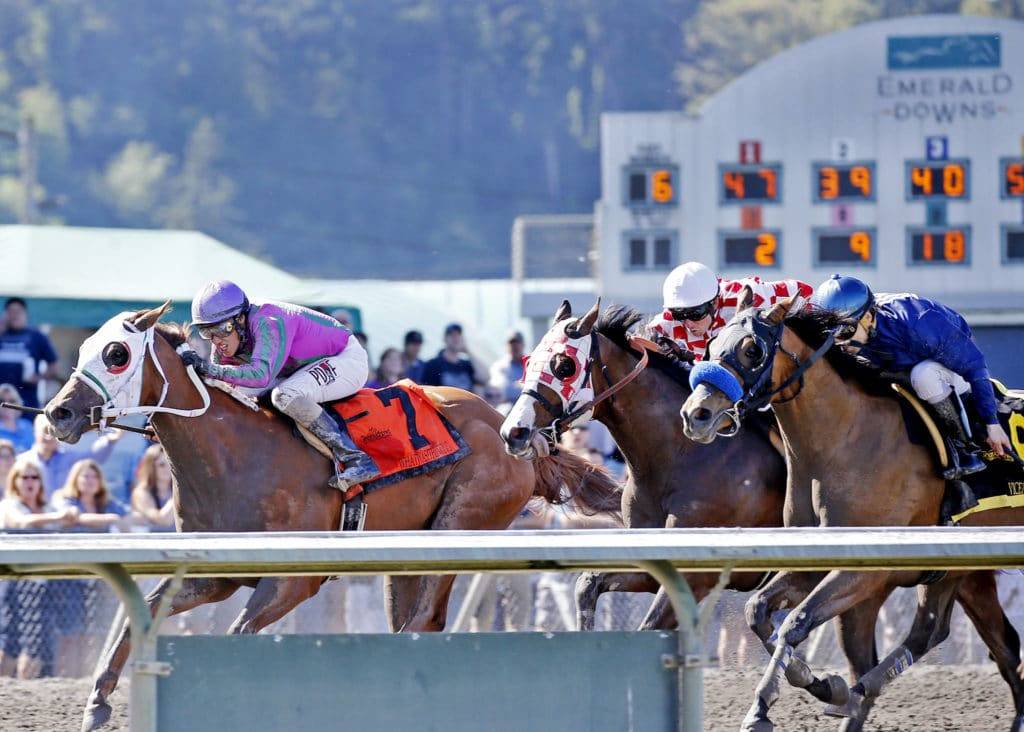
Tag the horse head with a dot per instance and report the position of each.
(740, 372)
(556, 380)
(113, 375)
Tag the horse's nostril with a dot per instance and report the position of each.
(58, 414)
(701, 415)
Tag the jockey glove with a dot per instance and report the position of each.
(193, 359)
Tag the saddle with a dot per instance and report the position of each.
(1001, 484)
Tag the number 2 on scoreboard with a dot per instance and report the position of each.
(764, 252)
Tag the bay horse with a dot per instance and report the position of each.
(236, 469)
(851, 463)
(672, 482)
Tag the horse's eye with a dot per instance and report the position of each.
(754, 352)
(115, 357)
(563, 367)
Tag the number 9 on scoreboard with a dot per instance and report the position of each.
(848, 246)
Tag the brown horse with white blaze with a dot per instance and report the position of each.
(851, 463)
(241, 470)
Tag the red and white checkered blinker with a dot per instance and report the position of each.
(540, 368)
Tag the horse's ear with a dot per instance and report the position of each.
(564, 311)
(146, 319)
(746, 299)
(586, 323)
(778, 313)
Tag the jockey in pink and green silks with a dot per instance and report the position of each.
(300, 356)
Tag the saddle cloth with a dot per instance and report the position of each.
(1001, 483)
(400, 428)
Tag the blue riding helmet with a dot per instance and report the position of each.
(847, 297)
(218, 301)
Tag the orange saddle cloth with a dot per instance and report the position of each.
(401, 429)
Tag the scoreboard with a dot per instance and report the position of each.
(893, 151)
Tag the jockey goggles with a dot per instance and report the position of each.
(694, 314)
(217, 330)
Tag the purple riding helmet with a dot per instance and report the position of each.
(216, 302)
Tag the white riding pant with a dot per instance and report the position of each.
(324, 380)
(933, 382)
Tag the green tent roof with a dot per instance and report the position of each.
(82, 276)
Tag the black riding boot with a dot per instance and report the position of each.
(963, 457)
(958, 498)
(358, 466)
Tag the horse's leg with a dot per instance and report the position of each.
(930, 627)
(399, 598)
(786, 589)
(857, 639)
(272, 599)
(835, 594)
(193, 592)
(660, 615)
(591, 585)
(979, 597)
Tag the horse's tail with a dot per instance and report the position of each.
(564, 478)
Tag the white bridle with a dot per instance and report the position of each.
(121, 387)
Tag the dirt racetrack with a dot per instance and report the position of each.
(927, 698)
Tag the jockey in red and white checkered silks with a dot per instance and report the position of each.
(697, 304)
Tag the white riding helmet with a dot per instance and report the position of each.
(689, 285)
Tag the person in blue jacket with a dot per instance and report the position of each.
(911, 334)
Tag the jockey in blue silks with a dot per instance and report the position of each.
(910, 334)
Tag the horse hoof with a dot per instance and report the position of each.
(839, 692)
(848, 708)
(97, 714)
(757, 719)
(757, 725)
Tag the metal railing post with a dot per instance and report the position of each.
(689, 663)
(142, 698)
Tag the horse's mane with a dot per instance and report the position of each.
(174, 333)
(813, 325)
(615, 322)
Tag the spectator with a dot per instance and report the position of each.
(343, 316)
(389, 370)
(57, 458)
(24, 504)
(26, 613)
(7, 454)
(577, 441)
(453, 366)
(12, 426)
(86, 490)
(153, 494)
(74, 601)
(22, 351)
(506, 374)
(412, 364)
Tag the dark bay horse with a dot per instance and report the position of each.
(241, 470)
(672, 481)
(851, 464)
